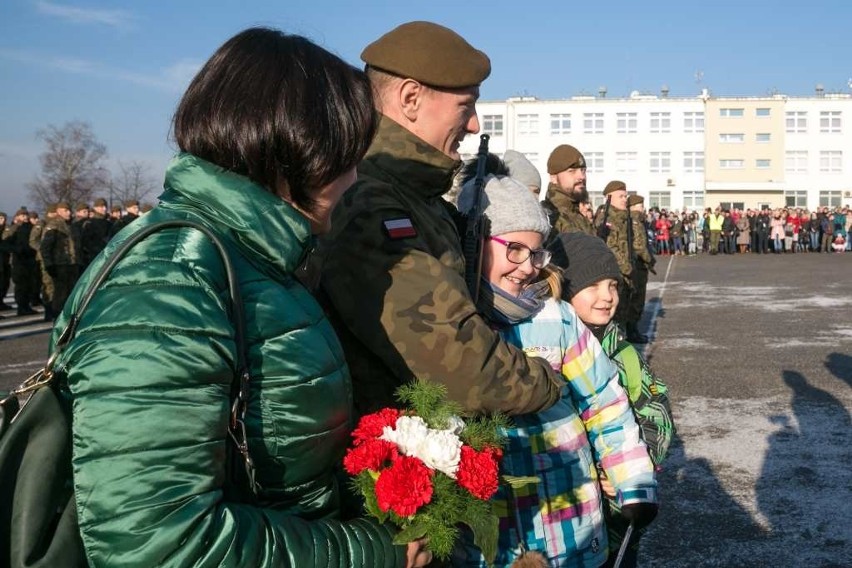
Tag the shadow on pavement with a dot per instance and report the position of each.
(806, 472)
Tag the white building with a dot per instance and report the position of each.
(688, 152)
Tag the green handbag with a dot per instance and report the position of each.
(38, 515)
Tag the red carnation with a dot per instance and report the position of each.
(478, 471)
(404, 487)
(371, 454)
(371, 425)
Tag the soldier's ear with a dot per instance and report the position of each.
(410, 98)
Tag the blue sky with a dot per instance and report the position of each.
(122, 66)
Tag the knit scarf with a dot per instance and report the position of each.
(505, 310)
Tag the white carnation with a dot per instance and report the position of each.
(441, 450)
(455, 425)
(408, 434)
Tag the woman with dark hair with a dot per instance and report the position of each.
(269, 131)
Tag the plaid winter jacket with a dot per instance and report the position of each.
(558, 512)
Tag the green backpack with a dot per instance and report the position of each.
(647, 393)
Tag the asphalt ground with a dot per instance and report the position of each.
(757, 353)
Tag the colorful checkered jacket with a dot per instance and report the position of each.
(558, 511)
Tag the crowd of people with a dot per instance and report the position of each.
(43, 257)
(325, 183)
(760, 231)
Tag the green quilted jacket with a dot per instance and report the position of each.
(150, 373)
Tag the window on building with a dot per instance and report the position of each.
(625, 122)
(596, 198)
(731, 164)
(762, 137)
(492, 124)
(830, 198)
(625, 161)
(796, 161)
(829, 121)
(795, 198)
(731, 205)
(762, 163)
(527, 124)
(693, 162)
(731, 112)
(731, 138)
(593, 123)
(661, 122)
(831, 161)
(560, 124)
(693, 199)
(797, 122)
(532, 157)
(660, 199)
(693, 122)
(661, 162)
(594, 162)
(761, 112)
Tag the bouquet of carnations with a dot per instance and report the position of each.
(427, 471)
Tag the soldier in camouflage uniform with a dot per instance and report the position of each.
(59, 256)
(644, 262)
(392, 268)
(567, 189)
(46, 280)
(614, 226)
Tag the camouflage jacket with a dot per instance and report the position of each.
(391, 274)
(640, 242)
(617, 239)
(57, 244)
(565, 216)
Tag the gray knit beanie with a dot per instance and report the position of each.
(584, 260)
(508, 204)
(522, 169)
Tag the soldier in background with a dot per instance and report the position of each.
(78, 227)
(59, 257)
(114, 215)
(17, 239)
(644, 263)
(131, 213)
(392, 268)
(96, 232)
(615, 227)
(5, 267)
(35, 284)
(567, 189)
(46, 280)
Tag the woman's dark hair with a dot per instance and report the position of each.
(280, 110)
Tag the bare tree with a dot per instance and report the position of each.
(72, 166)
(132, 181)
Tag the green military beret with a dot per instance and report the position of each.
(51, 208)
(564, 157)
(100, 202)
(82, 207)
(634, 199)
(63, 205)
(131, 203)
(613, 186)
(428, 53)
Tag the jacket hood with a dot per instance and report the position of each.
(262, 223)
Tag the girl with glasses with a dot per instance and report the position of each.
(556, 517)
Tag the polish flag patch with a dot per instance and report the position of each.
(400, 228)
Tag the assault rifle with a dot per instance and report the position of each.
(474, 233)
(603, 230)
